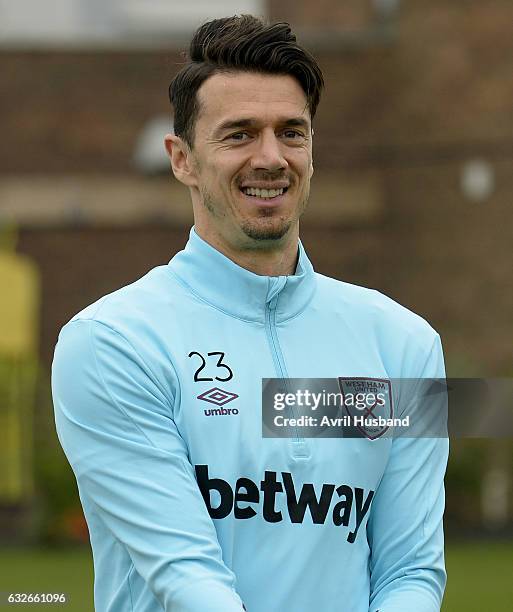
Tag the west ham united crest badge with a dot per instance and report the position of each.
(368, 403)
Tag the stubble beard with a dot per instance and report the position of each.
(266, 229)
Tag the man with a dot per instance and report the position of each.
(157, 387)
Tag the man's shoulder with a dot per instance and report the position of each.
(371, 307)
(134, 301)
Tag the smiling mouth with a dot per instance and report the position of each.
(263, 194)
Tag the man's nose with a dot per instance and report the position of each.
(268, 153)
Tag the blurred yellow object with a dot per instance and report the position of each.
(19, 307)
(19, 291)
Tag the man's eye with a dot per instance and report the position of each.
(293, 134)
(240, 136)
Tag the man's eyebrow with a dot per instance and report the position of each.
(247, 122)
(233, 124)
(297, 122)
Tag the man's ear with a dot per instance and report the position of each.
(311, 161)
(181, 159)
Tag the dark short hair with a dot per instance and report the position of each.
(240, 43)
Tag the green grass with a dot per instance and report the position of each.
(68, 571)
(480, 577)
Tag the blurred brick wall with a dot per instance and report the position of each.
(347, 15)
(78, 111)
(414, 111)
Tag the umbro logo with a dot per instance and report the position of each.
(219, 397)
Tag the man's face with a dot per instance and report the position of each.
(251, 160)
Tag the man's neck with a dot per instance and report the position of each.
(280, 261)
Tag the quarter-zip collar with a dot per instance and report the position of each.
(227, 286)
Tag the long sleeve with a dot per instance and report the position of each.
(114, 421)
(405, 529)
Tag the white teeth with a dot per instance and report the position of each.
(263, 193)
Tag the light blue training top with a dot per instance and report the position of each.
(189, 508)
